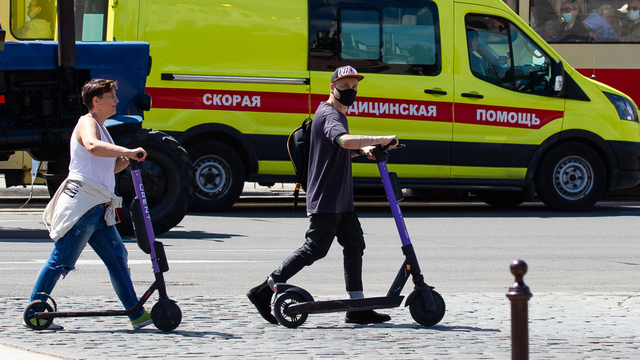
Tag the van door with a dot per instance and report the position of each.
(404, 50)
(504, 106)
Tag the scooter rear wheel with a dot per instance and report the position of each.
(34, 307)
(163, 322)
(421, 315)
(280, 310)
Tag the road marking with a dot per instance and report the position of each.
(133, 262)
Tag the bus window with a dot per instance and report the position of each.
(32, 19)
(561, 21)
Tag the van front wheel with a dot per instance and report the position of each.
(571, 177)
(219, 176)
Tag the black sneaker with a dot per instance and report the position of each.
(260, 296)
(365, 317)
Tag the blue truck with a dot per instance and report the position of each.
(40, 103)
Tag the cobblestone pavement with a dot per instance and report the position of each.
(476, 326)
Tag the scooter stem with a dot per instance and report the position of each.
(393, 203)
(146, 215)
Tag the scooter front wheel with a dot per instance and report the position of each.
(281, 314)
(166, 322)
(34, 307)
(421, 315)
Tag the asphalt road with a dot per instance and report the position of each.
(461, 247)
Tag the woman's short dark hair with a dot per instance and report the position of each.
(96, 87)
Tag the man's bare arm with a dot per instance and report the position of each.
(356, 142)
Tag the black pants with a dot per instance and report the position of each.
(324, 227)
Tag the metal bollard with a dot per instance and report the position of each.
(519, 296)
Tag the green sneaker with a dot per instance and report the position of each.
(142, 321)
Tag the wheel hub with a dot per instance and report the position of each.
(211, 176)
(573, 178)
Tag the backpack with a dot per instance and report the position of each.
(298, 146)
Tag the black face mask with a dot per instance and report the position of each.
(347, 97)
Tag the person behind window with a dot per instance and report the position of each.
(601, 29)
(572, 28)
(544, 20)
(39, 25)
(476, 61)
(631, 33)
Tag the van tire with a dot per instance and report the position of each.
(219, 175)
(571, 177)
(167, 176)
(502, 199)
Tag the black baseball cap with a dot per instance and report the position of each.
(345, 72)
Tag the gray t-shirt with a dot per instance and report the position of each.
(330, 183)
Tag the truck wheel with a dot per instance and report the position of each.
(571, 177)
(167, 176)
(219, 176)
(501, 198)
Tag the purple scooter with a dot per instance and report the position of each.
(166, 314)
(293, 304)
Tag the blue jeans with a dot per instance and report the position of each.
(106, 242)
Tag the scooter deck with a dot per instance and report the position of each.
(319, 307)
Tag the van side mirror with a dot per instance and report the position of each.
(557, 73)
(2, 35)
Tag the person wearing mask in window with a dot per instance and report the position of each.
(39, 24)
(601, 29)
(632, 30)
(572, 29)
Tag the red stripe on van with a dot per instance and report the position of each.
(394, 108)
(504, 116)
(1, 99)
(200, 99)
(276, 102)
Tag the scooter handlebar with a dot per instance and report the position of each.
(381, 152)
(134, 162)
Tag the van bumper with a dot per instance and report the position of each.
(627, 175)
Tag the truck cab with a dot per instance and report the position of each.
(43, 67)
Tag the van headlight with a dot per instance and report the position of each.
(626, 109)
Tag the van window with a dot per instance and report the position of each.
(91, 20)
(360, 34)
(377, 36)
(409, 36)
(501, 54)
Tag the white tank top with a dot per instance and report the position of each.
(96, 168)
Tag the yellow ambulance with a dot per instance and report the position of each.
(481, 101)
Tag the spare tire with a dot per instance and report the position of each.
(167, 176)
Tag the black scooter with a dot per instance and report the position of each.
(166, 314)
(292, 304)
